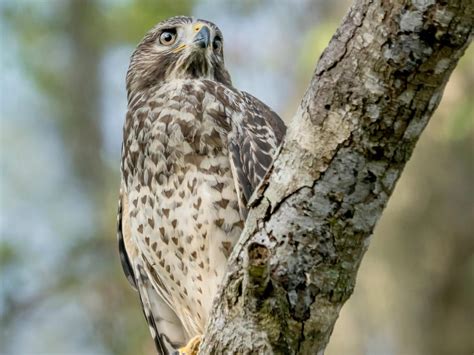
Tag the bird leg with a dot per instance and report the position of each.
(192, 347)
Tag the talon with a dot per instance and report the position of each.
(192, 347)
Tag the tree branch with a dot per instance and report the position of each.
(372, 93)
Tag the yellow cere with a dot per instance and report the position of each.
(198, 26)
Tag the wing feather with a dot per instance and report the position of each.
(252, 143)
(124, 259)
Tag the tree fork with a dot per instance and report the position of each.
(372, 93)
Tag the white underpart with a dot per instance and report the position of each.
(182, 218)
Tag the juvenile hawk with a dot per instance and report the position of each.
(194, 149)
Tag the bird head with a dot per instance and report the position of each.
(178, 48)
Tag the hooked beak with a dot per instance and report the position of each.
(203, 37)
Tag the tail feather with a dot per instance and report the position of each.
(165, 327)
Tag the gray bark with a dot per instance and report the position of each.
(373, 92)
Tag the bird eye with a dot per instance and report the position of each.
(167, 37)
(217, 45)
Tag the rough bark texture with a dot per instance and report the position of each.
(373, 91)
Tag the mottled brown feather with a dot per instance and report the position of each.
(194, 150)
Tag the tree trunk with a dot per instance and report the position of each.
(372, 93)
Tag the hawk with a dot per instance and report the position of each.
(194, 149)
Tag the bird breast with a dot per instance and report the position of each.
(184, 211)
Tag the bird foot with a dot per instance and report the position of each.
(192, 347)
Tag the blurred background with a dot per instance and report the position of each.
(63, 102)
